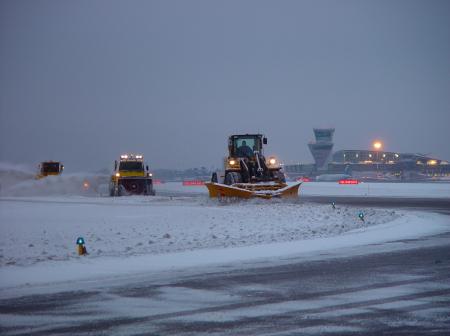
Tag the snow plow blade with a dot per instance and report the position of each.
(249, 190)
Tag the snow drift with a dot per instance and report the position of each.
(37, 229)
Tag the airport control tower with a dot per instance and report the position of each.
(322, 146)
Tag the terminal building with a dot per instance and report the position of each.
(376, 164)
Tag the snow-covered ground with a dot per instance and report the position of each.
(40, 221)
(18, 181)
(414, 190)
(136, 234)
(37, 229)
(73, 185)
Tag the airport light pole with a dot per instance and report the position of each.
(377, 145)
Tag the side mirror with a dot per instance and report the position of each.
(265, 141)
(146, 167)
(115, 165)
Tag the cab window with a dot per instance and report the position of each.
(250, 142)
(50, 167)
(131, 166)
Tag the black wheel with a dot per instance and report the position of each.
(232, 178)
(112, 190)
(245, 176)
(120, 191)
(214, 178)
(227, 179)
(149, 191)
(280, 176)
(132, 186)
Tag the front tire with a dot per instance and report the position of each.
(112, 190)
(149, 190)
(232, 178)
(121, 191)
(280, 176)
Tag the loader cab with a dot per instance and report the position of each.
(246, 145)
(131, 166)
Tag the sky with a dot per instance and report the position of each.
(84, 81)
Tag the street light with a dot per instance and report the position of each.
(377, 145)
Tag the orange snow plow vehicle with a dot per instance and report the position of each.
(248, 174)
(131, 177)
(49, 168)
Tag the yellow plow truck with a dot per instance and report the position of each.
(248, 173)
(49, 168)
(130, 177)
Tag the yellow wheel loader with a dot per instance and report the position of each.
(130, 177)
(49, 168)
(248, 173)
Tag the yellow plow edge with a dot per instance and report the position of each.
(243, 190)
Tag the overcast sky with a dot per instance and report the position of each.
(83, 81)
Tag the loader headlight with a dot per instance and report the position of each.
(233, 162)
(272, 161)
(150, 174)
(117, 174)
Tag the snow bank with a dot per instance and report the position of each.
(40, 229)
(403, 227)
